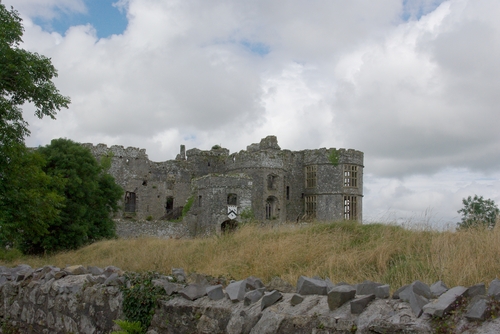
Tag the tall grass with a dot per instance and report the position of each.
(344, 251)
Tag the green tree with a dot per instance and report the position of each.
(478, 212)
(91, 195)
(25, 77)
(29, 200)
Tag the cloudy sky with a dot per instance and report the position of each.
(414, 84)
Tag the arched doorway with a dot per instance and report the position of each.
(228, 226)
(272, 208)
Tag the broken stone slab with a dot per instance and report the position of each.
(254, 283)
(444, 303)
(367, 288)
(114, 280)
(383, 291)
(197, 278)
(478, 309)
(494, 289)
(476, 290)
(359, 304)
(253, 296)
(438, 288)
(236, 291)
(339, 295)
(96, 271)
(109, 270)
(296, 299)
(270, 298)
(396, 293)
(215, 292)
(193, 291)
(76, 270)
(311, 286)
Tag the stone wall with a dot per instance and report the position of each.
(87, 300)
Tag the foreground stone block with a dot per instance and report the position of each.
(311, 286)
(339, 295)
(383, 291)
(254, 283)
(438, 288)
(253, 296)
(478, 310)
(270, 298)
(367, 288)
(236, 291)
(193, 291)
(179, 274)
(445, 302)
(494, 289)
(358, 305)
(296, 299)
(476, 290)
(215, 292)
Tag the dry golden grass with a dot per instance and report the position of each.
(343, 251)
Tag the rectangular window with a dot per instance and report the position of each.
(350, 208)
(311, 176)
(310, 206)
(350, 176)
(287, 192)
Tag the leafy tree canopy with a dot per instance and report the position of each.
(25, 77)
(478, 212)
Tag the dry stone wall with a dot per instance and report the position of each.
(80, 299)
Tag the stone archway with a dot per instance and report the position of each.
(228, 226)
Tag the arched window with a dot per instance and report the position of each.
(272, 210)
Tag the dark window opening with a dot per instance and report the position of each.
(199, 200)
(145, 182)
(169, 205)
(287, 192)
(232, 199)
(209, 164)
(130, 201)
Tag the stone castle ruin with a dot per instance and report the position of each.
(212, 191)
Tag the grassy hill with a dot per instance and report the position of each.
(344, 251)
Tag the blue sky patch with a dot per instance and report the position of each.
(101, 14)
(259, 48)
(414, 10)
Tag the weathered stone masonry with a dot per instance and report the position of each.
(263, 182)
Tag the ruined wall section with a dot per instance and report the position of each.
(210, 208)
(150, 182)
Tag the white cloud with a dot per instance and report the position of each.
(413, 84)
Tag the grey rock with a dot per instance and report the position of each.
(215, 292)
(96, 271)
(253, 296)
(494, 289)
(438, 288)
(311, 286)
(114, 280)
(109, 270)
(478, 310)
(383, 291)
(444, 303)
(339, 295)
(76, 270)
(193, 291)
(358, 305)
(396, 293)
(367, 288)
(270, 298)
(253, 283)
(236, 291)
(329, 284)
(476, 290)
(197, 278)
(296, 299)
